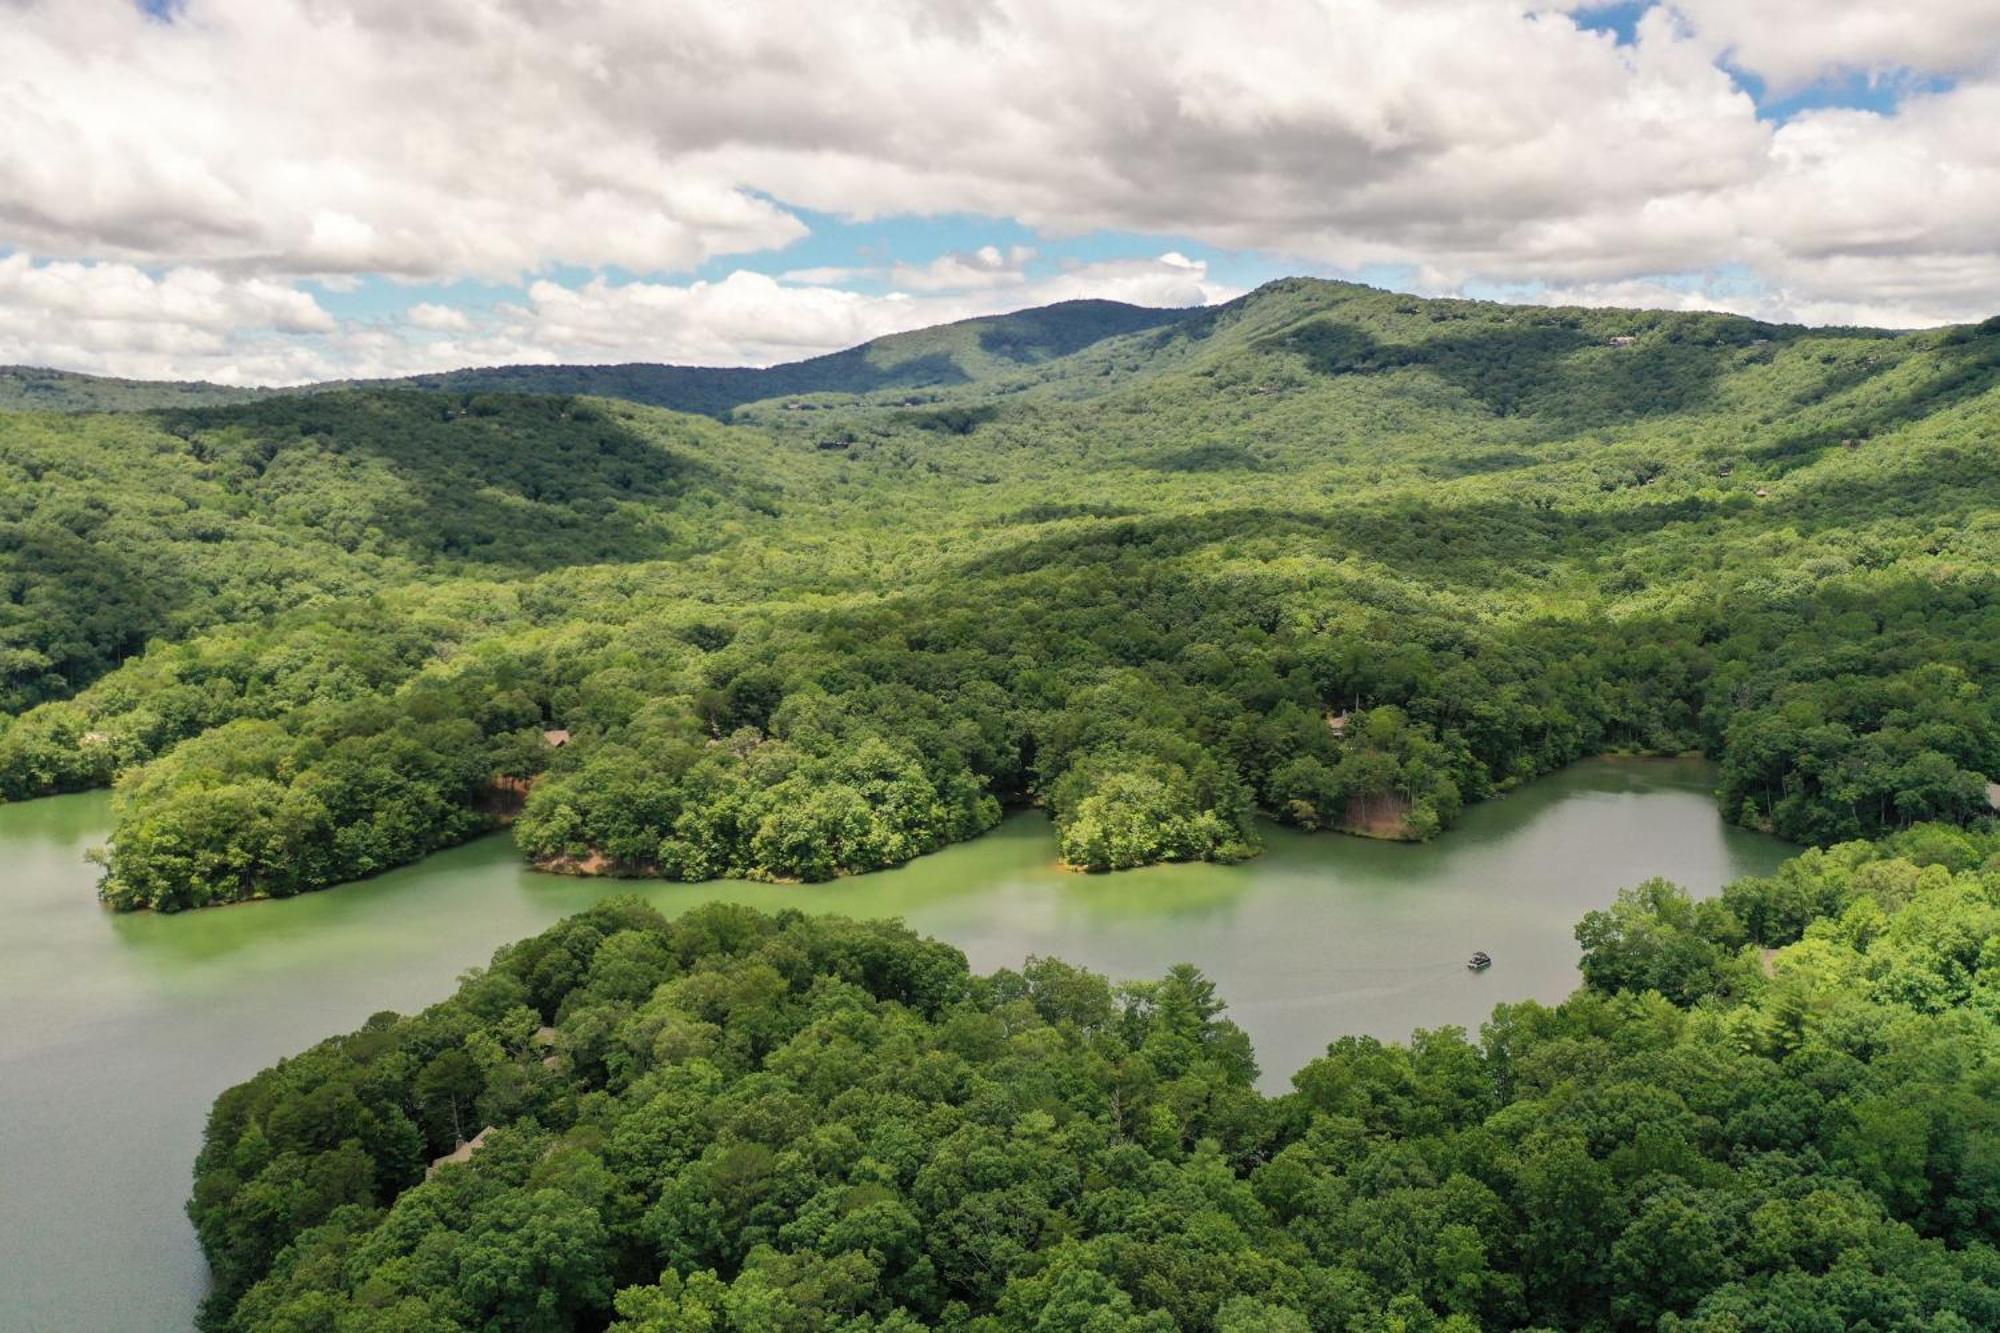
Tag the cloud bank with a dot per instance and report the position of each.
(175, 180)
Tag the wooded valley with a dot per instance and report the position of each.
(1345, 557)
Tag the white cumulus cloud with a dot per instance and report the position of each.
(438, 318)
(1791, 43)
(119, 319)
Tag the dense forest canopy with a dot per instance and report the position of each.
(1776, 1109)
(1344, 557)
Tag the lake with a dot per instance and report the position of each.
(116, 1032)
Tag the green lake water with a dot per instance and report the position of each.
(116, 1032)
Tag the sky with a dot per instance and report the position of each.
(274, 191)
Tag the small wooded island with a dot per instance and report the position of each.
(1348, 557)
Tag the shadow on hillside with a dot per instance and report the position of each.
(1946, 487)
(1551, 372)
(1034, 336)
(1966, 368)
(1485, 544)
(77, 607)
(1209, 456)
(713, 391)
(1505, 541)
(502, 481)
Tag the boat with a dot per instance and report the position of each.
(1479, 961)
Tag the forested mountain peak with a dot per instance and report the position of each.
(969, 352)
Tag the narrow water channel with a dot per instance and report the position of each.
(116, 1033)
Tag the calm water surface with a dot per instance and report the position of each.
(116, 1032)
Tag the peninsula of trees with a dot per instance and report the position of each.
(1347, 558)
(1770, 1110)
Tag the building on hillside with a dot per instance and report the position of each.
(462, 1153)
(555, 738)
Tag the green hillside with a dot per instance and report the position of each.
(118, 529)
(1351, 558)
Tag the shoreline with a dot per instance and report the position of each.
(598, 866)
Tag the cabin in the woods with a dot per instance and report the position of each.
(462, 1153)
(1337, 724)
(555, 738)
(92, 739)
(1623, 340)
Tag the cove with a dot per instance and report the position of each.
(116, 1032)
